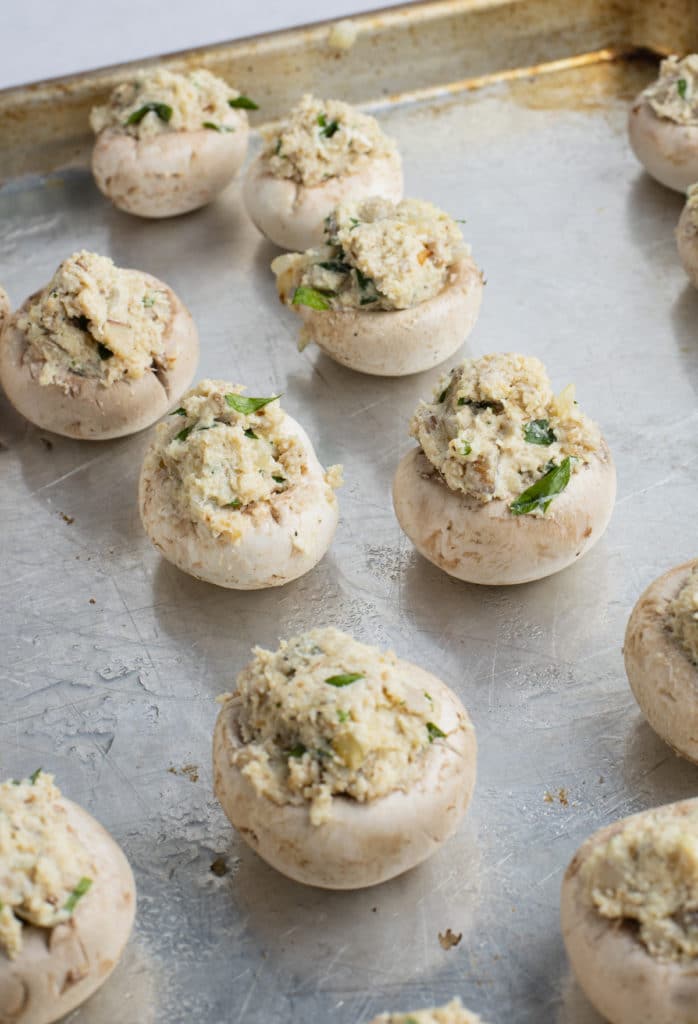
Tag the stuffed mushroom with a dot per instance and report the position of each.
(394, 290)
(663, 124)
(231, 490)
(4, 308)
(510, 483)
(67, 902)
(452, 1013)
(169, 143)
(661, 657)
(100, 352)
(630, 917)
(341, 765)
(325, 152)
(687, 235)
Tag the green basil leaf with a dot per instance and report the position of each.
(245, 405)
(243, 103)
(539, 432)
(310, 297)
(681, 87)
(465, 449)
(434, 732)
(163, 111)
(78, 892)
(344, 679)
(297, 751)
(541, 493)
(222, 128)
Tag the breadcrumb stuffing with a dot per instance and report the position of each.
(674, 95)
(452, 1013)
(192, 101)
(682, 616)
(42, 860)
(326, 715)
(648, 873)
(223, 463)
(380, 256)
(322, 139)
(494, 427)
(96, 320)
(692, 205)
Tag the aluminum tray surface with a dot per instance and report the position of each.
(111, 659)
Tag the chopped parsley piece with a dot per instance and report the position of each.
(367, 299)
(495, 406)
(429, 697)
(434, 732)
(279, 479)
(246, 406)
(328, 129)
(364, 280)
(311, 297)
(148, 301)
(103, 352)
(277, 150)
(250, 433)
(344, 679)
(541, 493)
(354, 223)
(243, 103)
(78, 892)
(539, 432)
(222, 128)
(184, 434)
(234, 504)
(343, 715)
(163, 111)
(34, 776)
(179, 412)
(297, 751)
(442, 396)
(681, 87)
(336, 266)
(465, 449)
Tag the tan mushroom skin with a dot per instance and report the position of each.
(624, 932)
(663, 124)
(663, 670)
(393, 292)
(687, 235)
(392, 781)
(58, 370)
(179, 154)
(494, 430)
(323, 153)
(59, 967)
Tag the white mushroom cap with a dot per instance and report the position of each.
(89, 410)
(398, 342)
(362, 844)
(687, 241)
(4, 308)
(667, 150)
(292, 216)
(168, 174)
(59, 968)
(275, 549)
(663, 679)
(486, 543)
(625, 983)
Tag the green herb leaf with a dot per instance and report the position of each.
(243, 103)
(368, 299)
(305, 296)
(179, 412)
(163, 111)
(541, 493)
(222, 128)
(429, 697)
(184, 434)
(103, 352)
(246, 406)
(465, 449)
(297, 751)
(34, 776)
(336, 266)
(250, 433)
(354, 223)
(279, 479)
(277, 150)
(234, 504)
(364, 280)
(442, 396)
(343, 715)
(434, 732)
(681, 87)
(78, 892)
(148, 301)
(539, 432)
(495, 406)
(344, 679)
(327, 129)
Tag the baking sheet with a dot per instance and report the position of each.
(111, 659)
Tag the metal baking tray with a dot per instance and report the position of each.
(512, 116)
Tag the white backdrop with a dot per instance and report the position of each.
(44, 38)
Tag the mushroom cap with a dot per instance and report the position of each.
(292, 216)
(273, 550)
(397, 342)
(59, 968)
(4, 308)
(667, 150)
(90, 411)
(687, 244)
(617, 974)
(663, 679)
(362, 844)
(485, 543)
(167, 174)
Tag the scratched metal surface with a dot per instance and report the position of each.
(111, 659)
